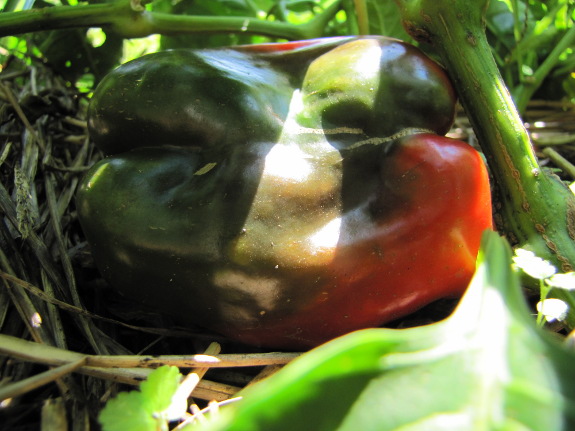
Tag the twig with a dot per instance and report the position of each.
(207, 361)
(192, 379)
(23, 386)
(199, 415)
(134, 369)
(35, 352)
(75, 122)
(265, 373)
(40, 353)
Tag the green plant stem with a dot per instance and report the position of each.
(535, 210)
(524, 91)
(362, 16)
(565, 165)
(132, 21)
(544, 293)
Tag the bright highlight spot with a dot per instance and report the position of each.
(327, 236)
(553, 309)
(96, 175)
(36, 320)
(369, 62)
(96, 36)
(288, 162)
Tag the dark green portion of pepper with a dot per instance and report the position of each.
(312, 205)
(214, 98)
(188, 98)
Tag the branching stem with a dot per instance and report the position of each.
(130, 20)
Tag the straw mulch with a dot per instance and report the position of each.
(69, 343)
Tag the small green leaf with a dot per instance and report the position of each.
(160, 388)
(143, 410)
(127, 412)
(384, 19)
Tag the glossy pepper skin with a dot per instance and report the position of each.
(283, 194)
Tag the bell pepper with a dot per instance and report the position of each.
(283, 194)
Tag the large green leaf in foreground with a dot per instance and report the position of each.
(486, 367)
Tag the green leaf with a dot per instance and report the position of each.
(160, 387)
(501, 23)
(384, 19)
(127, 412)
(143, 410)
(486, 367)
(70, 52)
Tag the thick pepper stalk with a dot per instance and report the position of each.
(537, 211)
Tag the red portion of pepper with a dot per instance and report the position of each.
(418, 243)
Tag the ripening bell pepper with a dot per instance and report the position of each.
(283, 194)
